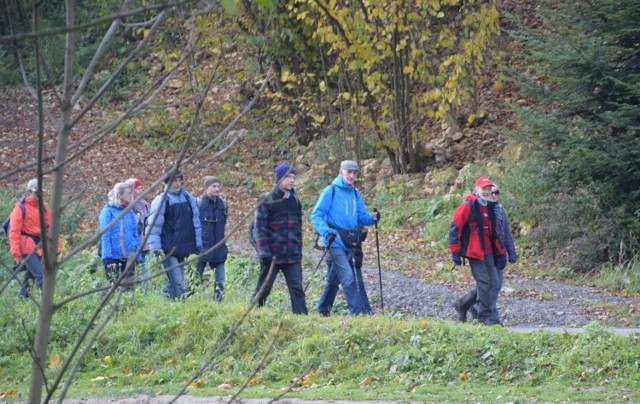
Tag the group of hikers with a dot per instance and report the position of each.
(177, 225)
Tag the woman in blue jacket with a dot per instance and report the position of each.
(121, 241)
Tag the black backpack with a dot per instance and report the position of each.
(7, 222)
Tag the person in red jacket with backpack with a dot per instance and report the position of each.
(24, 236)
(473, 235)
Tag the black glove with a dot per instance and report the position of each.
(331, 238)
(456, 258)
(378, 214)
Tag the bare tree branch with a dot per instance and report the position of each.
(102, 132)
(102, 48)
(292, 384)
(260, 364)
(79, 27)
(88, 346)
(230, 334)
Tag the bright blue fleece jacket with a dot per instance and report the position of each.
(123, 234)
(341, 207)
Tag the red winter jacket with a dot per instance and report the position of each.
(465, 238)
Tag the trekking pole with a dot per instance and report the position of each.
(375, 224)
(464, 274)
(318, 266)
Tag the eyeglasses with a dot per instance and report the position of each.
(495, 192)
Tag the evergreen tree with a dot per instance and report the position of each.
(585, 80)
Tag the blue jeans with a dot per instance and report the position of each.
(144, 270)
(218, 268)
(175, 286)
(486, 276)
(345, 274)
(331, 290)
(292, 274)
(34, 272)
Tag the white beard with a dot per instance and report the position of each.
(484, 198)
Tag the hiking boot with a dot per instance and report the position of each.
(461, 312)
(324, 313)
(463, 304)
(474, 312)
(218, 290)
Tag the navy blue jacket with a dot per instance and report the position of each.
(213, 219)
(177, 228)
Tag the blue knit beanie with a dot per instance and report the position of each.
(282, 170)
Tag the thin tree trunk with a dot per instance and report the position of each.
(50, 245)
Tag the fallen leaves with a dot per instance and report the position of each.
(8, 393)
(54, 362)
(226, 385)
(365, 382)
(196, 384)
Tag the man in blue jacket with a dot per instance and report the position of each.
(336, 216)
(176, 229)
(213, 219)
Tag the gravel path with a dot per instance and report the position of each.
(523, 302)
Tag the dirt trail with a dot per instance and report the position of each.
(524, 302)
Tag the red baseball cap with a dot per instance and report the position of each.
(483, 182)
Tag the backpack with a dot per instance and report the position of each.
(267, 201)
(7, 222)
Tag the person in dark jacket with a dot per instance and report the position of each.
(176, 230)
(121, 242)
(213, 219)
(278, 234)
(473, 235)
(333, 284)
(336, 216)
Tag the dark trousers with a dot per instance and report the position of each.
(114, 269)
(486, 276)
(34, 272)
(292, 275)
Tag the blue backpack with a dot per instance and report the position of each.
(7, 222)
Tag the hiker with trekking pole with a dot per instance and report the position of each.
(337, 215)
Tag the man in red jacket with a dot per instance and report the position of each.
(473, 235)
(24, 236)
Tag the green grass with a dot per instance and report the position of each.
(153, 346)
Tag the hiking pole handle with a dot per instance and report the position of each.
(375, 222)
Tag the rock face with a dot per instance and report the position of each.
(370, 169)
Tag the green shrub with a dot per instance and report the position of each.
(574, 231)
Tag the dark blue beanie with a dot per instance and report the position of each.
(282, 170)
